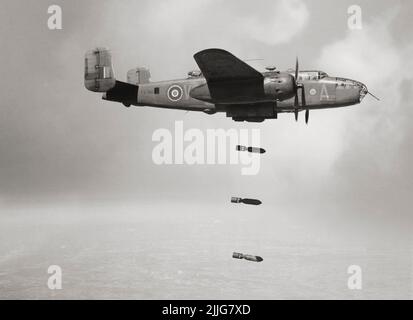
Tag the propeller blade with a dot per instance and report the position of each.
(373, 96)
(297, 86)
(296, 104)
(303, 102)
(296, 69)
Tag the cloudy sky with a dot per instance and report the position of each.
(72, 165)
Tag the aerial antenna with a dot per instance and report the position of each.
(373, 96)
(247, 60)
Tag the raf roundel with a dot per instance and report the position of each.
(313, 92)
(175, 93)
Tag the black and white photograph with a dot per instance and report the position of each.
(206, 150)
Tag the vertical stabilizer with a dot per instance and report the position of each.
(99, 75)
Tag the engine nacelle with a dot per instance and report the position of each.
(99, 75)
(280, 86)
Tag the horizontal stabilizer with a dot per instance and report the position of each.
(123, 92)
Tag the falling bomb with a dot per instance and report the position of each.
(248, 257)
(254, 202)
(250, 149)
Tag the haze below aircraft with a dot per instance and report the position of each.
(227, 84)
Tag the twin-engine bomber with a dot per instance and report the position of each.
(225, 84)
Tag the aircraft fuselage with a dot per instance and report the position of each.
(323, 93)
(224, 84)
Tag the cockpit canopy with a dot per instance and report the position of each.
(311, 75)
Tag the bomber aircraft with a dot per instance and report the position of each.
(227, 84)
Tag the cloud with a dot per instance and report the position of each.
(269, 22)
(369, 170)
(276, 22)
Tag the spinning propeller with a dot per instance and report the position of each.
(298, 85)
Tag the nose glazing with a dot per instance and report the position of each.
(363, 92)
(362, 87)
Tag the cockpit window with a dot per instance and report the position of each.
(308, 75)
(312, 75)
(322, 75)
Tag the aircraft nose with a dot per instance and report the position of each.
(362, 89)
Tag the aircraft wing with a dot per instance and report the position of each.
(229, 79)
